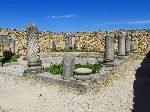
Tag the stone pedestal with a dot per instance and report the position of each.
(68, 66)
(121, 45)
(82, 74)
(34, 64)
(127, 45)
(109, 50)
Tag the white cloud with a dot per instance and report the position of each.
(140, 22)
(62, 16)
(53, 17)
(127, 22)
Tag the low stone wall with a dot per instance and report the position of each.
(86, 40)
(106, 73)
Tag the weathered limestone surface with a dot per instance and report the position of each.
(53, 45)
(127, 45)
(12, 45)
(109, 48)
(68, 66)
(83, 71)
(121, 44)
(82, 74)
(33, 54)
(87, 40)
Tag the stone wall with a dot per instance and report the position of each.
(86, 40)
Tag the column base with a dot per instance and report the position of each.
(109, 63)
(132, 51)
(33, 70)
(127, 53)
(121, 57)
(37, 63)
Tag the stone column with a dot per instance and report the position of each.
(12, 45)
(68, 41)
(33, 50)
(2, 46)
(68, 66)
(53, 45)
(109, 50)
(121, 45)
(75, 44)
(127, 45)
(132, 49)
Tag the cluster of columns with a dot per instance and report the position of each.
(125, 47)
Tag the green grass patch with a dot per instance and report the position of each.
(139, 57)
(95, 67)
(57, 68)
(71, 49)
(54, 69)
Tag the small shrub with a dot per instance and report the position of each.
(71, 48)
(54, 69)
(10, 58)
(139, 57)
(1, 59)
(15, 57)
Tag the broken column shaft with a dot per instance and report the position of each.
(109, 50)
(33, 50)
(68, 66)
(127, 45)
(121, 45)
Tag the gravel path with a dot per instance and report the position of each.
(29, 96)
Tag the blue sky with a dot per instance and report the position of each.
(75, 15)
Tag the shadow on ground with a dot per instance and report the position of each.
(142, 87)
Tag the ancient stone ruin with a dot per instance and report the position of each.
(33, 50)
(109, 50)
(81, 60)
(7, 43)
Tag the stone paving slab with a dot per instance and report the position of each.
(13, 69)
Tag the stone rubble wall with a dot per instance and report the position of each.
(90, 41)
